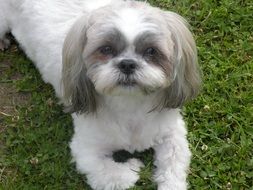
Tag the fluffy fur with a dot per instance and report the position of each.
(123, 69)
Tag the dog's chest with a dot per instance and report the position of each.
(129, 125)
(136, 133)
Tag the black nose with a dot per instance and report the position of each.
(127, 66)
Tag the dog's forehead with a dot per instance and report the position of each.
(132, 22)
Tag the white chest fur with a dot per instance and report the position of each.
(126, 125)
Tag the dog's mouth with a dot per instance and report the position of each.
(127, 82)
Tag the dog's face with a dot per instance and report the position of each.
(126, 52)
(129, 48)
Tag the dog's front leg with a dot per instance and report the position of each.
(102, 172)
(172, 158)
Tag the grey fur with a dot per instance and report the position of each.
(155, 40)
(103, 37)
(79, 92)
(187, 80)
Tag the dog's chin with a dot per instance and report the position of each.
(131, 89)
(126, 88)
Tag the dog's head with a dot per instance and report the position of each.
(129, 48)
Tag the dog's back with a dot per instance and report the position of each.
(40, 28)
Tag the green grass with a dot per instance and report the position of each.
(34, 137)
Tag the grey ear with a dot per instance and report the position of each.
(186, 74)
(79, 92)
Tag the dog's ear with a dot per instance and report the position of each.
(79, 92)
(185, 77)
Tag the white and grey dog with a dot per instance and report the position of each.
(123, 69)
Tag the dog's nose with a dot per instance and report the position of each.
(127, 66)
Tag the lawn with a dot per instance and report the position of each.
(34, 132)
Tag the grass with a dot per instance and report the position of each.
(34, 133)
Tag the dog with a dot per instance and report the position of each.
(123, 69)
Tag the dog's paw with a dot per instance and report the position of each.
(4, 44)
(119, 178)
(172, 185)
(122, 181)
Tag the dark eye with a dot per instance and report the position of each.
(150, 52)
(107, 50)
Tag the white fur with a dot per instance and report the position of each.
(123, 122)
(131, 24)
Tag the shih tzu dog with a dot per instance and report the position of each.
(123, 70)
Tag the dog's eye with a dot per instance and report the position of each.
(150, 52)
(107, 50)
